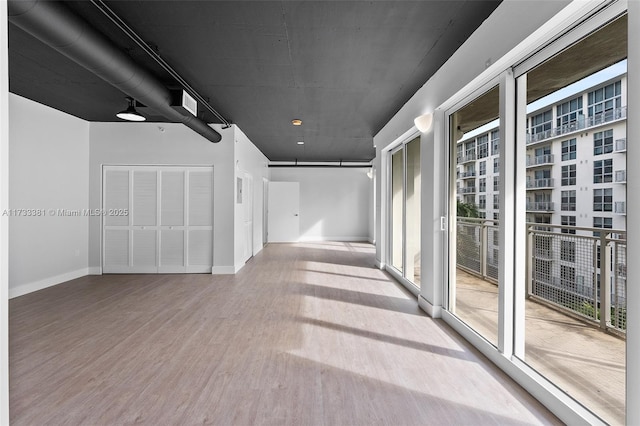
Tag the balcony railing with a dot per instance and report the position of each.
(539, 160)
(581, 123)
(540, 206)
(620, 207)
(466, 158)
(468, 174)
(621, 176)
(582, 275)
(540, 183)
(621, 145)
(468, 190)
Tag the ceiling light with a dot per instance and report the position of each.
(296, 122)
(423, 123)
(130, 114)
(300, 142)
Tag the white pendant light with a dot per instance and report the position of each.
(130, 114)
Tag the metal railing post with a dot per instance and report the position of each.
(605, 281)
(529, 266)
(483, 249)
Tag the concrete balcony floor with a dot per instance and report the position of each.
(585, 362)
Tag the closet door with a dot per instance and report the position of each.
(144, 218)
(168, 223)
(116, 229)
(200, 220)
(172, 221)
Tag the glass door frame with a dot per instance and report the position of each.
(395, 148)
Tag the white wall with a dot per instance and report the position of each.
(165, 144)
(334, 202)
(249, 159)
(4, 221)
(49, 154)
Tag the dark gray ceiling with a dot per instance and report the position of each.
(343, 67)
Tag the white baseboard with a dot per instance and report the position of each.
(431, 310)
(380, 264)
(95, 270)
(305, 239)
(27, 288)
(223, 270)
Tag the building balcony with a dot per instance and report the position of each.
(467, 158)
(580, 124)
(621, 176)
(546, 183)
(540, 206)
(468, 190)
(621, 145)
(620, 207)
(540, 160)
(468, 174)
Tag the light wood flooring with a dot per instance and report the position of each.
(304, 334)
(580, 359)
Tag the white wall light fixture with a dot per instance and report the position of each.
(423, 122)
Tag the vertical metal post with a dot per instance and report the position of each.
(596, 281)
(605, 280)
(483, 249)
(529, 257)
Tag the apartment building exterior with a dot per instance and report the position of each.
(575, 182)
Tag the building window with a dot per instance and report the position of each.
(603, 142)
(541, 123)
(470, 150)
(567, 113)
(567, 276)
(602, 222)
(605, 99)
(568, 251)
(568, 221)
(496, 183)
(483, 146)
(603, 171)
(483, 168)
(603, 200)
(496, 165)
(482, 202)
(569, 150)
(568, 202)
(569, 175)
(483, 185)
(496, 216)
(495, 142)
(496, 202)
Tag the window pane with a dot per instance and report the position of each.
(474, 280)
(575, 296)
(412, 272)
(397, 209)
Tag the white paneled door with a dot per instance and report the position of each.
(157, 219)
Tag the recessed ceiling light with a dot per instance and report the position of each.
(296, 122)
(300, 142)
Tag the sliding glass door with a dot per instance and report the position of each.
(405, 211)
(475, 208)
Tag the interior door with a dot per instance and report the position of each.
(247, 204)
(284, 212)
